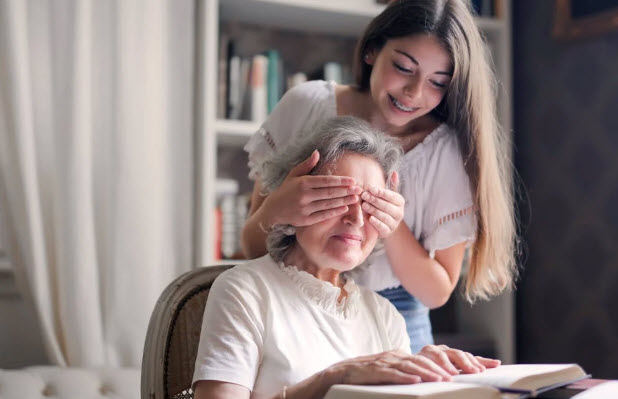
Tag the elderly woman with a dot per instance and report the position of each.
(290, 324)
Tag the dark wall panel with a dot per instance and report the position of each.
(566, 137)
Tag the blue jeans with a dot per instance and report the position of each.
(415, 314)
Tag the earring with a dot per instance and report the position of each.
(366, 57)
(289, 230)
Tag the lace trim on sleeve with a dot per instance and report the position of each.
(268, 138)
(259, 146)
(452, 229)
(455, 215)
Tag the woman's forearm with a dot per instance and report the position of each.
(253, 236)
(425, 278)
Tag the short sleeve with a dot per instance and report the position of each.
(299, 109)
(450, 216)
(231, 338)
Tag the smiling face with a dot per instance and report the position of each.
(343, 242)
(409, 78)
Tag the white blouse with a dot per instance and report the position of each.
(267, 325)
(439, 209)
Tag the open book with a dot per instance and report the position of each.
(520, 380)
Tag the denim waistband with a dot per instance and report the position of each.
(402, 299)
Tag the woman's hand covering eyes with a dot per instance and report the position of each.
(385, 207)
(303, 199)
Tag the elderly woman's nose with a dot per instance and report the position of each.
(355, 215)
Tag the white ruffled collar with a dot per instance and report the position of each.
(324, 294)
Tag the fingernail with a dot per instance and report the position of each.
(374, 190)
(365, 195)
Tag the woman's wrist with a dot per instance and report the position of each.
(334, 374)
(396, 236)
(266, 218)
(315, 386)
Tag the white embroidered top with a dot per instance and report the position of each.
(434, 183)
(267, 325)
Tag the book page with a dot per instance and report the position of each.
(426, 389)
(524, 376)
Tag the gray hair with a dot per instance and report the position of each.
(332, 138)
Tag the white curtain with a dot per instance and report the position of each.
(96, 176)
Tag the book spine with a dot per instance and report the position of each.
(498, 9)
(242, 212)
(273, 79)
(296, 79)
(222, 79)
(217, 222)
(259, 108)
(239, 111)
(487, 8)
(226, 191)
(477, 6)
(228, 76)
(228, 226)
(234, 88)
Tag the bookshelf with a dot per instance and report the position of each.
(346, 18)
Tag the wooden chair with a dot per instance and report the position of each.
(174, 333)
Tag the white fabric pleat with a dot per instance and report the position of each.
(96, 170)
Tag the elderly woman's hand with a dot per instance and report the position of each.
(385, 207)
(303, 199)
(392, 367)
(453, 359)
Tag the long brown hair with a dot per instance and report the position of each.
(469, 107)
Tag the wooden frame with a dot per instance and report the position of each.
(567, 26)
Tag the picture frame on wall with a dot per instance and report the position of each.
(576, 19)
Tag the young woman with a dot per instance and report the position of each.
(423, 77)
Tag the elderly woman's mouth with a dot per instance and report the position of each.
(352, 239)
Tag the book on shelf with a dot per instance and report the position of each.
(517, 381)
(259, 92)
(274, 90)
(296, 79)
(226, 191)
(230, 216)
(222, 77)
(334, 71)
(487, 8)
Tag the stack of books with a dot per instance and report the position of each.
(249, 87)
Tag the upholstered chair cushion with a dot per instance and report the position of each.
(70, 383)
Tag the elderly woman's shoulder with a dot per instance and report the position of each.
(250, 273)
